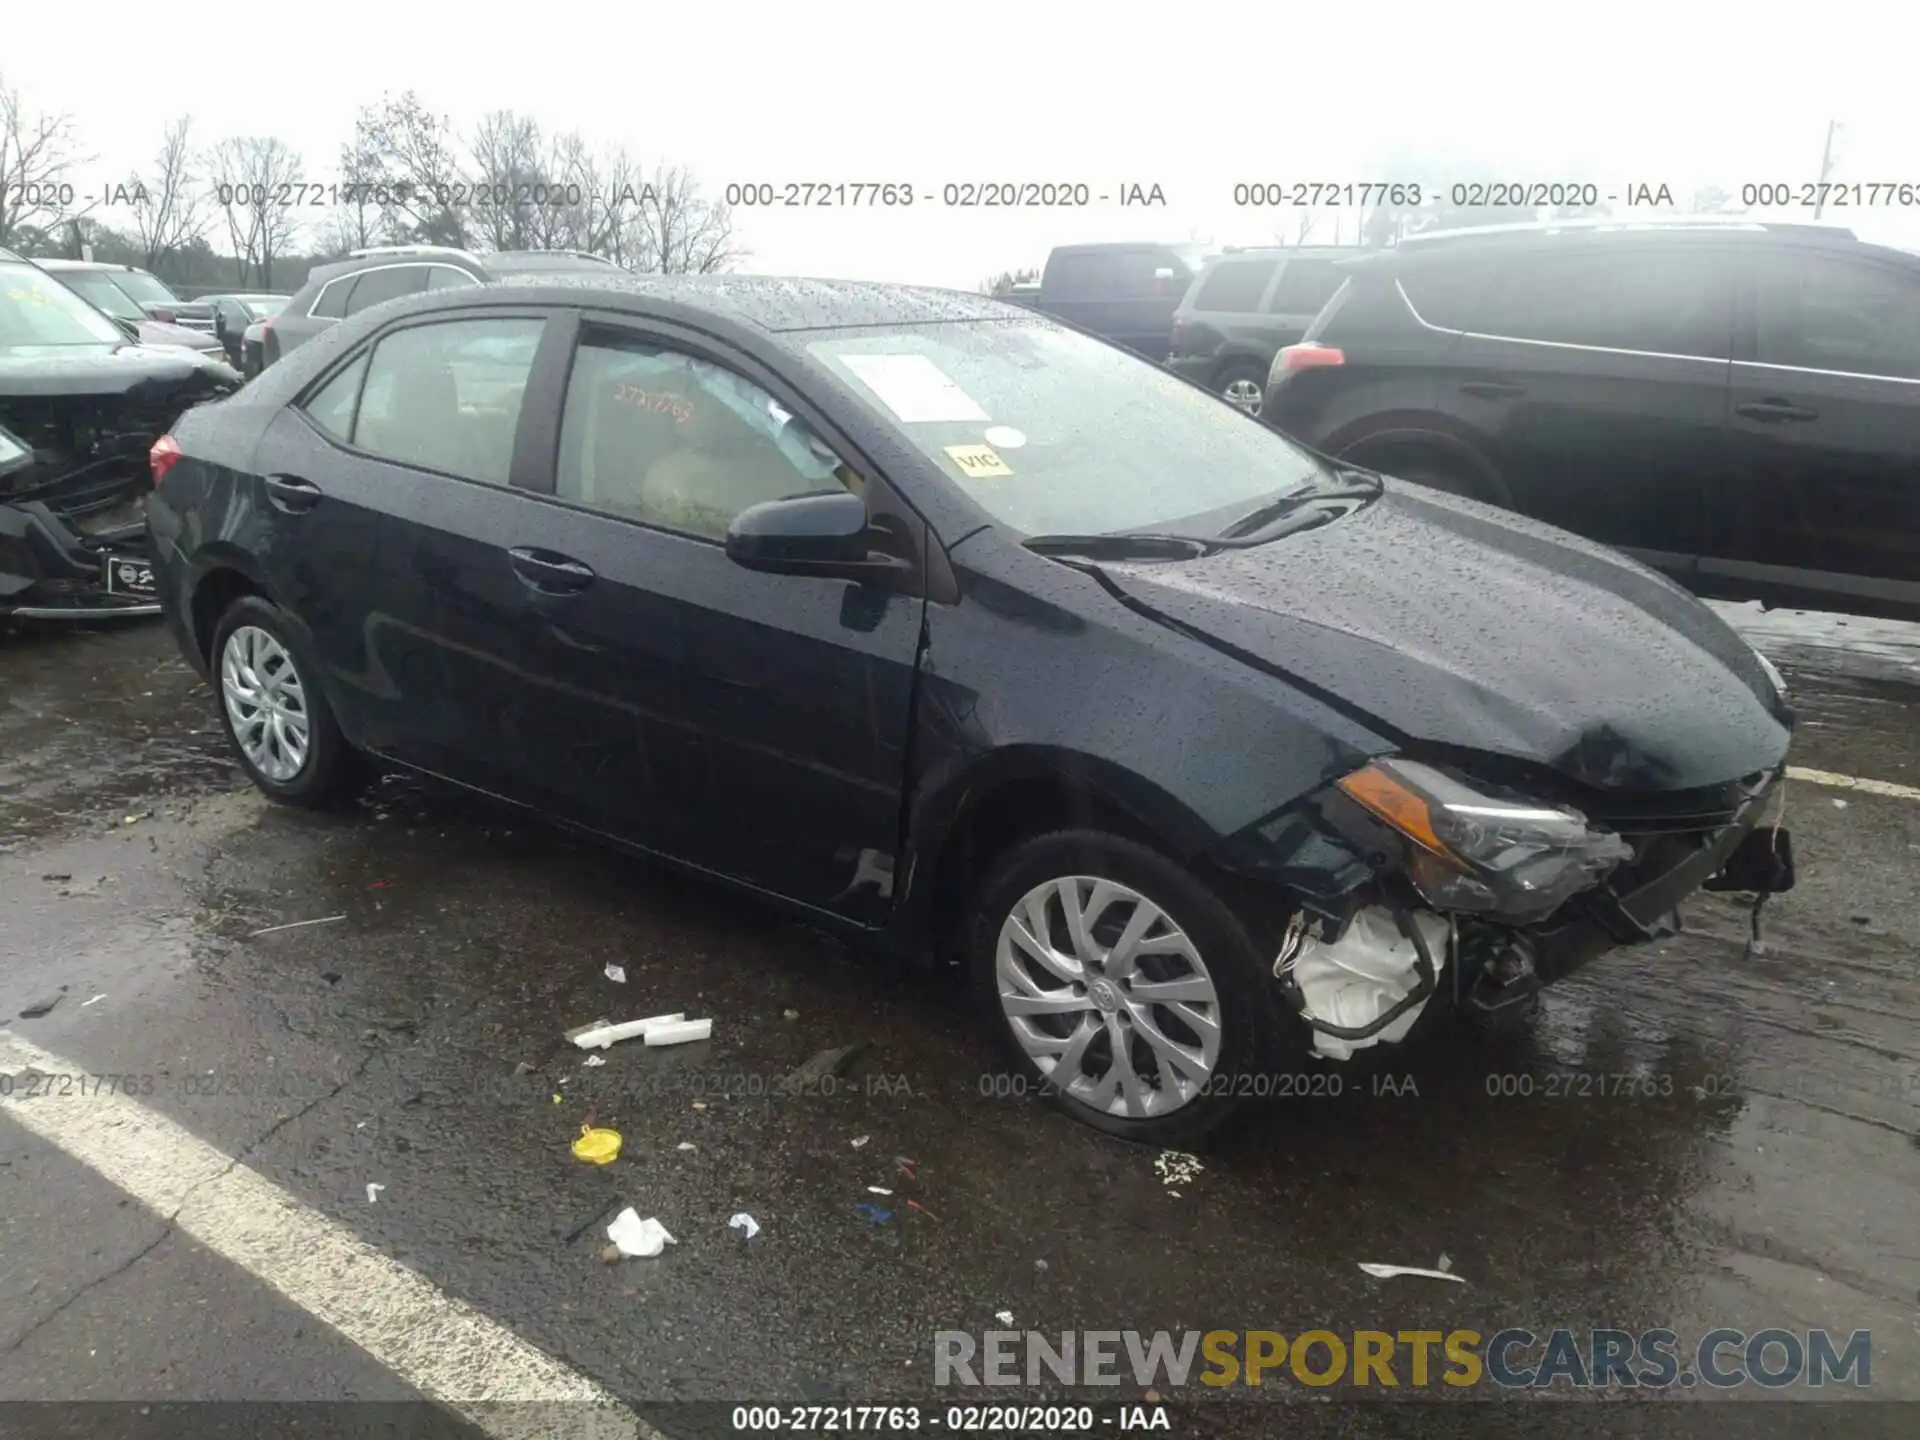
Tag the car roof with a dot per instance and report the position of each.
(1283, 252)
(776, 304)
(58, 264)
(1129, 245)
(1478, 239)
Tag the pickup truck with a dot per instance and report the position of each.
(1124, 292)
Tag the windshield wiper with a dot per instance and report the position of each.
(1360, 486)
(1121, 547)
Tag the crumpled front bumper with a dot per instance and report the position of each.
(1642, 907)
(51, 570)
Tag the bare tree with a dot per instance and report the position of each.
(249, 173)
(510, 177)
(357, 220)
(36, 152)
(674, 230)
(1003, 283)
(1303, 224)
(415, 164)
(1710, 200)
(169, 206)
(1827, 161)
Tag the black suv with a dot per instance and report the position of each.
(1242, 308)
(1735, 403)
(385, 272)
(1125, 292)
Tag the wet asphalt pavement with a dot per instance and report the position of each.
(1760, 1166)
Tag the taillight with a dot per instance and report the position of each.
(1307, 357)
(164, 455)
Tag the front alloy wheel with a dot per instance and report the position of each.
(1108, 997)
(266, 704)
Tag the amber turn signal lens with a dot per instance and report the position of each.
(1396, 804)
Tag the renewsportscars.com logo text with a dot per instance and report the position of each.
(1509, 1359)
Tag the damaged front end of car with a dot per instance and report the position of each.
(1417, 882)
(74, 473)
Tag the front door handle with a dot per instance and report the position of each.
(1493, 389)
(291, 493)
(548, 572)
(1773, 410)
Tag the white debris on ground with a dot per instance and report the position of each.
(1176, 1167)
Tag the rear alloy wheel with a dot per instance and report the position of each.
(1123, 984)
(273, 712)
(1243, 387)
(266, 704)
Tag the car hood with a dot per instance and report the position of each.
(158, 332)
(1460, 625)
(112, 370)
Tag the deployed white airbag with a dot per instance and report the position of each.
(1353, 981)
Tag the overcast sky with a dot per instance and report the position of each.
(1193, 98)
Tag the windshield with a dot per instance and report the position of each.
(266, 305)
(1053, 432)
(98, 287)
(144, 288)
(36, 309)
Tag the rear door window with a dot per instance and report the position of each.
(1235, 285)
(1671, 300)
(389, 282)
(1305, 286)
(1815, 313)
(1085, 274)
(446, 396)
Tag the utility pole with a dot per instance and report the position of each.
(1826, 169)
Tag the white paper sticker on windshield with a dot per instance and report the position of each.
(1005, 436)
(915, 389)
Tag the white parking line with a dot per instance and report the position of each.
(440, 1346)
(1853, 782)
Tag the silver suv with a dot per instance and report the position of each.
(1242, 308)
(385, 272)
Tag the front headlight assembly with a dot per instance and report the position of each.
(1484, 854)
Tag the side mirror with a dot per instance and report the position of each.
(825, 534)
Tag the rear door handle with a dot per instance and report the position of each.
(1493, 389)
(550, 573)
(1774, 410)
(292, 494)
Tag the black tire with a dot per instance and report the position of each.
(1241, 372)
(1251, 1018)
(330, 770)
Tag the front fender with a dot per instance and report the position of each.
(1043, 674)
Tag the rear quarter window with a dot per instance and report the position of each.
(1452, 296)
